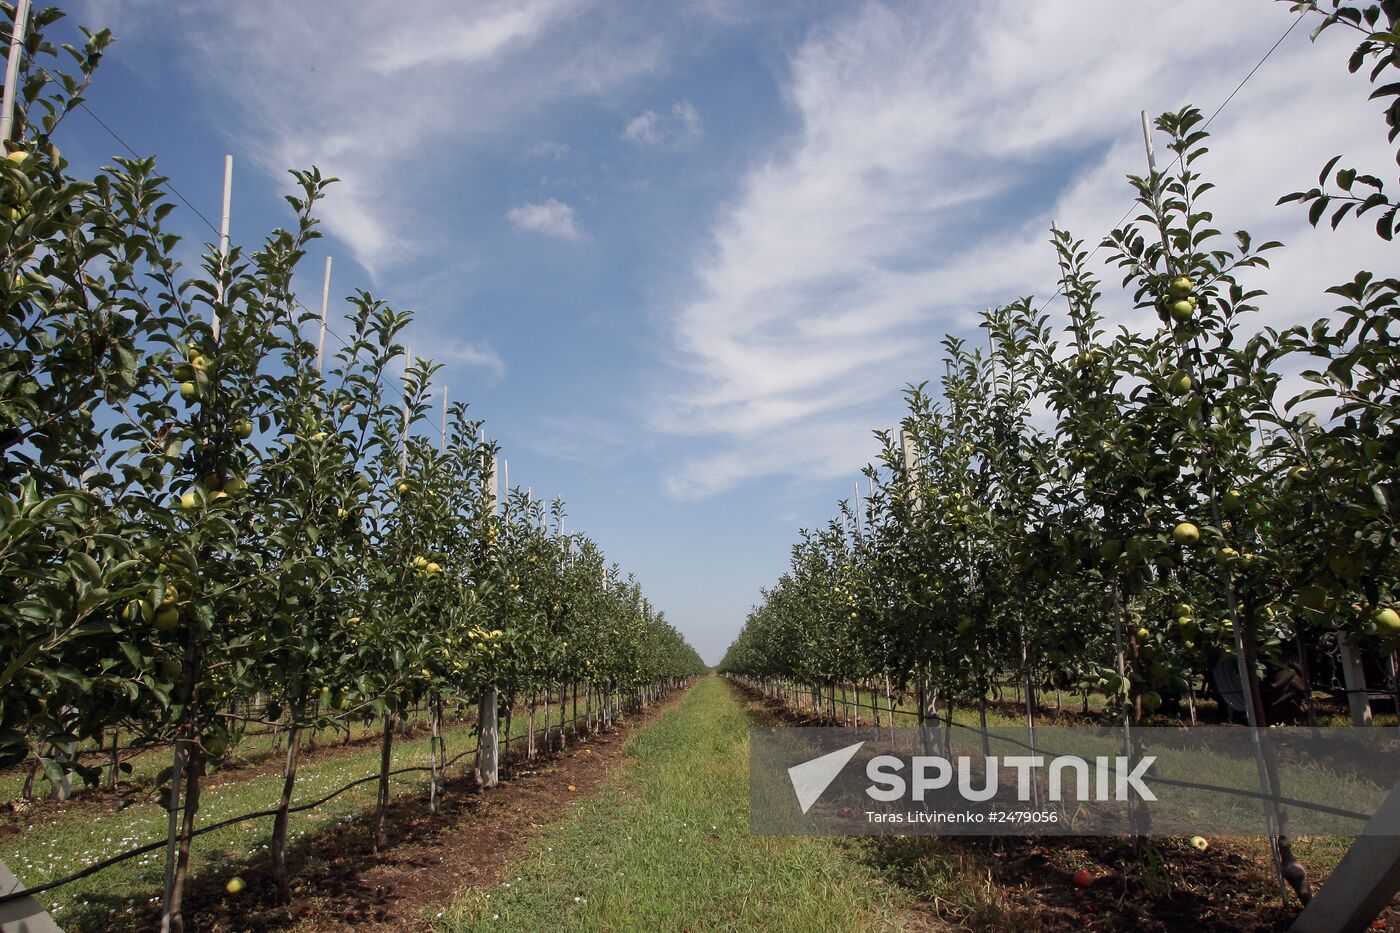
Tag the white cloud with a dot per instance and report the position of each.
(552, 218)
(395, 106)
(472, 353)
(546, 149)
(934, 147)
(681, 128)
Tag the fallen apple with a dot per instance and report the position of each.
(235, 885)
(1199, 843)
(1082, 878)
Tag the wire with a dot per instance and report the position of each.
(170, 185)
(1211, 119)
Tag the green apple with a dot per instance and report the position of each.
(1181, 286)
(243, 429)
(964, 625)
(189, 391)
(1151, 701)
(1181, 311)
(167, 619)
(183, 372)
(1183, 610)
(1186, 533)
(1199, 843)
(1180, 383)
(1387, 622)
(235, 885)
(1143, 634)
(199, 364)
(189, 501)
(1232, 502)
(216, 744)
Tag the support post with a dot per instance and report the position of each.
(1354, 678)
(7, 109)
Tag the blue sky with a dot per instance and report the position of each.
(683, 257)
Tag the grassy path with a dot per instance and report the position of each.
(666, 847)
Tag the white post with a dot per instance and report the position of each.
(1147, 140)
(442, 449)
(223, 233)
(7, 114)
(488, 754)
(1354, 678)
(325, 307)
(403, 441)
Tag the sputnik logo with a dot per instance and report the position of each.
(811, 778)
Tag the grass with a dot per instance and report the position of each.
(668, 848)
(74, 839)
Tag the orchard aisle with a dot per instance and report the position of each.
(666, 847)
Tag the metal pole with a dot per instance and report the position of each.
(223, 235)
(7, 114)
(325, 306)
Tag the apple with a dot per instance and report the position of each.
(1151, 701)
(1110, 550)
(216, 744)
(1186, 533)
(1181, 286)
(1299, 473)
(189, 501)
(167, 619)
(1199, 843)
(402, 488)
(1082, 878)
(1181, 311)
(218, 496)
(234, 485)
(1387, 622)
(1180, 383)
(243, 429)
(964, 625)
(17, 157)
(235, 885)
(432, 567)
(1183, 611)
(1143, 634)
(318, 437)
(183, 372)
(1227, 555)
(169, 668)
(199, 364)
(1232, 502)
(189, 391)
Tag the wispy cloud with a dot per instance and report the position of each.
(381, 102)
(551, 218)
(934, 147)
(680, 128)
(546, 149)
(472, 353)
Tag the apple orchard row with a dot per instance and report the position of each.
(201, 508)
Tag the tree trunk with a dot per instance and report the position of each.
(381, 804)
(279, 822)
(194, 770)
